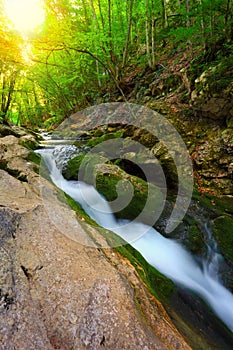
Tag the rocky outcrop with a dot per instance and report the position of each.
(213, 93)
(209, 143)
(212, 159)
(58, 294)
(200, 106)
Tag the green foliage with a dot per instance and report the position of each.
(222, 75)
(85, 47)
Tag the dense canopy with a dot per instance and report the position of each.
(84, 47)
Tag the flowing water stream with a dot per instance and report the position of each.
(166, 255)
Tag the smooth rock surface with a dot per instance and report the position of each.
(56, 293)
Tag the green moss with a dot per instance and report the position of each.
(195, 241)
(97, 140)
(29, 144)
(98, 133)
(82, 167)
(143, 194)
(113, 183)
(224, 203)
(217, 204)
(77, 208)
(34, 157)
(71, 171)
(221, 75)
(158, 285)
(223, 233)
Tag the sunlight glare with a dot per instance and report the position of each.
(25, 15)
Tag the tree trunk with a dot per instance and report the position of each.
(203, 27)
(147, 23)
(126, 49)
(227, 20)
(7, 98)
(164, 14)
(187, 13)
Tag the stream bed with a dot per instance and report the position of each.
(166, 255)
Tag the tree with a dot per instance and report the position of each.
(86, 47)
(10, 66)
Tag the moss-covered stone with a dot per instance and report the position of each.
(72, 168)
(82, 166)
(223, 232)
(215, 204)
(114, 183)
(144, 137)
(108, 136)
(98, 133)
(28, 141)
(195, 242)
(34, 157)
(159, 285)
(133, 193)
(6, 130)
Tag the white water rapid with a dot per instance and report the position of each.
(166, 255)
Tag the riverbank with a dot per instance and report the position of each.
(39, 282)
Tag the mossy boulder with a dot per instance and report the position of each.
(81, 167)
(28, 141)
(144, 137)
(104, 137)
(129, 196)
(6, 130)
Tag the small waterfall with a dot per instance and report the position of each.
(166, 255)
(211, 264)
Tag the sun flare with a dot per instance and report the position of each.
(25, 15)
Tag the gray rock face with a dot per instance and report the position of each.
(58, 294)
(213, 102)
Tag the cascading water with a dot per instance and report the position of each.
(166, 255)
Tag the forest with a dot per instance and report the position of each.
(85, 49)
(160, 274)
